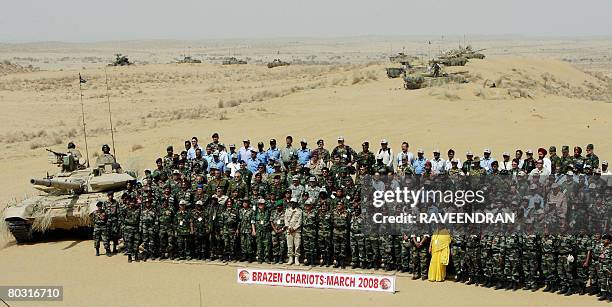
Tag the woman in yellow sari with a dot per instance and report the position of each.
(439, 247)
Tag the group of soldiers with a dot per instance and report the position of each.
(306, 206)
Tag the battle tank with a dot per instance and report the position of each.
(120, 60)
(188, 60)
(402, 58)
(232, 61)
(278, 62)
(67, 198)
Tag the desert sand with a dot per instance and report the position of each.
(550, 92)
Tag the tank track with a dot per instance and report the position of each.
(21, 230)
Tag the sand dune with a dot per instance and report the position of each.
(537, 101)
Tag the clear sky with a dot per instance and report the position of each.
(98, 20)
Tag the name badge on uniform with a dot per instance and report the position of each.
(261, 222)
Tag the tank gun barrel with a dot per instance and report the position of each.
(56, 184)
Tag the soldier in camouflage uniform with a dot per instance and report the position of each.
(512, 259)
(131, 221)
(531, 259)
(549, 260)
(458, 254)
(420, 244)
(184, 229)
(101, 229)
(496, 261)
(201, 229)
(148, 231)
(112, 208)
(566, 261)
(246, 226)
(357, 238)
(596, 249)
(309, 233)
(230, 230)
(262, 231)
(583, 258)
(166, 230)
(340, 218)
(279, 238)
(325, 232)
(472, 258)
(605, 270)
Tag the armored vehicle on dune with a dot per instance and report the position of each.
(120, 60)
(277, 63)
(394, 72)
(189, 60)
(66, 199)
(402, 58)
(233, 61)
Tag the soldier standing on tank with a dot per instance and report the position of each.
(262, 231)
(131, 220)
(101, 229)
(165, 224)
(184, 229)
(279, 239)
(112, 208)
(148, 224)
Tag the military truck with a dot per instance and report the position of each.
(66, 199)
(277, 63)
(120, 60)
(233, 61)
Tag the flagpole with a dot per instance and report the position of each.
(83, 116)
(110, 116)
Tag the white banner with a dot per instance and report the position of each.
(322, 280)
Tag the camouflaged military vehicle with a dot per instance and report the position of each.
(402, 58)
(277, 63)
(450, 61)
(233, 61)
(394, 72)
(120, 60)
(66, 199)
(188, 60)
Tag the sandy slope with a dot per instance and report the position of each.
(538, 102)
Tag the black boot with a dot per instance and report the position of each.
(415, 277)
(548, 288)
(129, 258)
(470, 281)
(582, 290)
(515, 286)
(499, 285)
(563, 290)
(108, 252)
(136, 258)
(97, 252)
(602, 296)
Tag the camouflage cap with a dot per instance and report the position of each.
(565, 147)
(590, 146)
(295, 177)
(476, 159)
(552, 149)
(182, 202)
(261, 201)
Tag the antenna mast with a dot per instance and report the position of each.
(81, 81)
(110, 115)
